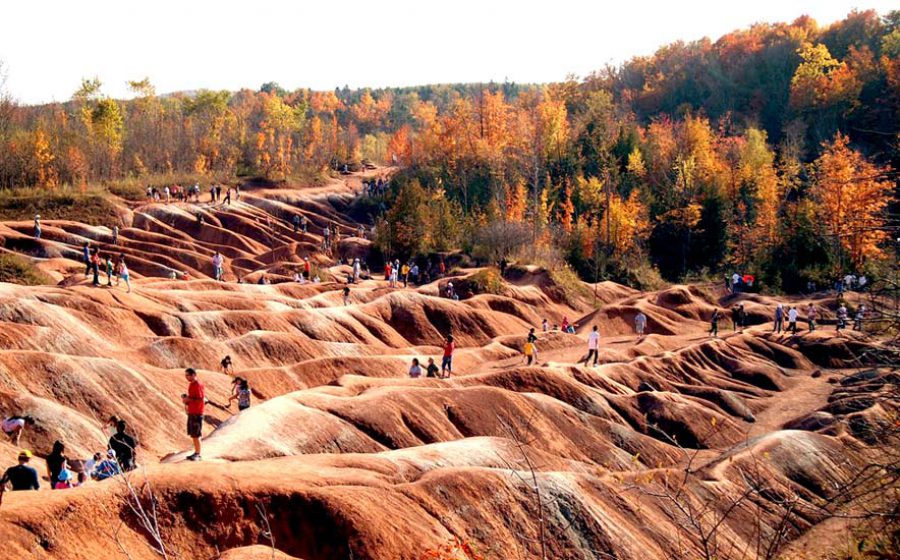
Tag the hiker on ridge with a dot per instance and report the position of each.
(37, 226)
(240, 391)
(593, 346)
(811, 316)
(218, 261)
(227, 366)
(792, 319)
(194, 403)
(447, 360)
(640, 323)
(714, 323)
(779, 318)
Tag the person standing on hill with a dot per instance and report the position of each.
(779, 319)
(86, 257)
(447, 361)
(811, 316)
(115, 235)
(194, 404)
(304, 224)
(357, 270)
(95, 265)
(404, 272)
(123, 273)
(345, 295)
(109, 270)
(227, 366)
(714, 323)
(859, 317)
(565, 324)
(792, 319)
(295, 221)
(240, 392)
(37, 226)
(218, 261)
(640, 323)
(56, 462)
(228, 196)
(168, 192)
(212, 193)
(21, 476)
(125, 447)
(545, 326)
(593, 346)
(529, 350)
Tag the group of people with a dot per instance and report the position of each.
(375, 187)
(787, 317)
(191, 193)
(112, 265)
(738, 282)
(62, 473)
(431, 369)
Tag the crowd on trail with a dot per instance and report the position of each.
(786, 318)
(375, 187)
(191, 193)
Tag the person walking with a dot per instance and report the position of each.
(37, 226)
(593, 346)
(447, 360)
(345, 295)
(21, 476)
(858, 318)
(737, 317)
(307, 268)
(640, 323)
(811, 317)
(792, 319)
(123, 273)
(779, 319)
(404, 273)
(240, 391)
(227, 366)
(108, 265)
(194, 403)
(125, 447)
(714, 323)
(218, 261)
(529, 350)
(841, 317)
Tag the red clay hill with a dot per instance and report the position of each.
(676, 443)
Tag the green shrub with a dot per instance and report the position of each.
(569, 285)
(18, 270)
(485, 281)
(92, 207)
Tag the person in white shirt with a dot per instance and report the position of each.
(792, 320)
(217, 261)
(640, 322)
(593, 346)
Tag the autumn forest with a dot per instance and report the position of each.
(771, 151)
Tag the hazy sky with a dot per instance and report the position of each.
(48, 46)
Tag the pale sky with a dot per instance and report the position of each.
(48, 46)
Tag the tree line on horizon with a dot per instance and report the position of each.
(769, 151)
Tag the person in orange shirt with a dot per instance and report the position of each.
(194, 404)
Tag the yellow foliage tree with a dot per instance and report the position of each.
(852, 195)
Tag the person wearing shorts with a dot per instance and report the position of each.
(14, 426)
(194, 403)
(447, 361)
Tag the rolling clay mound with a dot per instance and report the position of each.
(343, 455)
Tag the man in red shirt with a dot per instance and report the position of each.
(447, 362)
(194, 402)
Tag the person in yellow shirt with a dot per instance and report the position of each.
(404, 272)
(530, 351)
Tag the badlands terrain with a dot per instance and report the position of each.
(677, 445)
